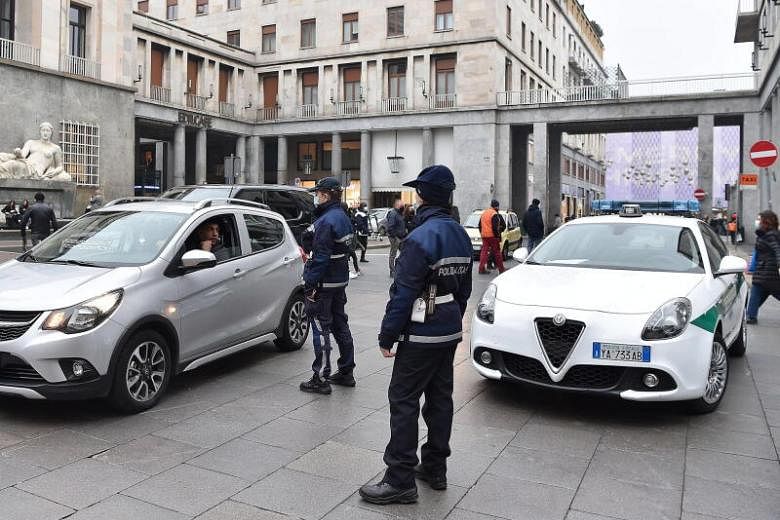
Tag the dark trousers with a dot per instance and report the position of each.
(332, 319)
(321, 349)
(363, 245)
(533, 242)
(489, 245)
(419, 371)
(758, 295)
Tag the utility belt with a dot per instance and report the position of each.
(426, 306)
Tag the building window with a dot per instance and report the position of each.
(533, 9)
(307, 152)
(540, 9)
(395, 21)
(555, 26)
(350, 24)
(202, 7)
(351, 84)
(533, 45)
(77, 24)
(547, 60)
(269, 2)
(310, 81)
(80, 143)
(269, 39)
(532, 84)
(444, 18)
(445, 76)
(350, 155)
(522, 36)
(554, 66)
(172, 11)
(540, 53)
(143, 6)
(508, 75)
(547, 16)
(234, 38)
(523, 80)
(396, 79)
(7, 12)
(233, 5)
(308, 34)
(509, 21)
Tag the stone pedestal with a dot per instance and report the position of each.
(61, 196)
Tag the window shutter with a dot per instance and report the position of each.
(443, 6)
(445, 64)
(202, 2)
(269, 29)
(310, 79)
(171, 3)
(352, 75)
(350, 17)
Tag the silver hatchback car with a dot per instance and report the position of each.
(123, 298)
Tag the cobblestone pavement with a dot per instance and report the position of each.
(238, 440)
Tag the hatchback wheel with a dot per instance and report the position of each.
(142, 372)
(294, 328)
(717, 380)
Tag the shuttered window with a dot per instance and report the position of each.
(201, 6)
(444, 18)
(350, 25)
(269, 39)
(395, 21)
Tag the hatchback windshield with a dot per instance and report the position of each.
(629, 246)
(472, 221)
(196, 194)
(109, 239)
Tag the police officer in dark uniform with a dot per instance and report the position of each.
(424, 315)
(325, 279)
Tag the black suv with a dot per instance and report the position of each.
(296, 205)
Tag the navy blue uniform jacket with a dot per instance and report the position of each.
(327, 268)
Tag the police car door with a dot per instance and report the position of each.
(726, 288)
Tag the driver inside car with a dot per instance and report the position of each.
(209, 239)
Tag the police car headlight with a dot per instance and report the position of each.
(487, 305)
(669, 321)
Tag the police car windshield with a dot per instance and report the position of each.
(625, 246)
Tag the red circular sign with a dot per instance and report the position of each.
(699, 194)
(763, 154)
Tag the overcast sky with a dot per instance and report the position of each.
(667, 38)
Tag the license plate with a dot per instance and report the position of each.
(619, 352)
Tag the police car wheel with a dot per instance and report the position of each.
(294, 328)
(717, 380)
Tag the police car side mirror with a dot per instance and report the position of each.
(520, 254)
(731, 265)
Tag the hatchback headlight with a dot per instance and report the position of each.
(84, 316)
(669, 321)
(487, 305)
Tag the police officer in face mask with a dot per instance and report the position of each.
(424, 316)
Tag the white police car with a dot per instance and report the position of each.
(644, 307)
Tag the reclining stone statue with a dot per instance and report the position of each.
(38, 159)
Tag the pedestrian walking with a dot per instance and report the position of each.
(491, 225)
(11, 212)
(766, 275)
(352, 242)
(396, 230)
(325, 279)
(361, 228)
(533, 223)
(42, 221)
(424, 316)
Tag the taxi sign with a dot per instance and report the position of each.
(748, 181)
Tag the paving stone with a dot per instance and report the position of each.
(187, 489)
(430, 505)
(230, 510)
(9, 439)
(578, 443)
(483, 440)
(13, 471)
(731, 421)
(696, 516)
(57, 449)
(463, 514)
(208, 429)
(581, 515)
(351, 512)
(543, 467)
(369, 434)
(773, 417)
(300, 436)
(493, 415)
(607, 496)
(120, 507)
(464, 468)
(340, 462)
(638, 468)
(20, 505)
(179, 408)
(652, 441)
(82, 483)
(122, 429)
(330, 412)
(282, 492)
(737, 443)
(245, 459)
(517, 499)
(150, 454)
(733, 469)
(730, 500)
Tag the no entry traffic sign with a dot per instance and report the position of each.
(699, 194)
(763, 154)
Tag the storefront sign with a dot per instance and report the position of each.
(197, 120)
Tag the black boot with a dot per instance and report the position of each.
(315, 385)
(342, 379)
(437, 482)
(383, 493)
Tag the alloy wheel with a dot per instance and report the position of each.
(718, 374)
(297, 323)
(145, 372)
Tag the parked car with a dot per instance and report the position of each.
(123, 298)
(377, 219)
(511, 238)
(646, 308)
(296, 205)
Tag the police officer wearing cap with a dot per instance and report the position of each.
(424, 316)
(325, 279)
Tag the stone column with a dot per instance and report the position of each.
(255, 173)
(365, 167)
(770, 184)
(747, 201)
(179, 157)
(502, 178)
(281, 168)
(538, 183)
(427, 148)
(553, 203)
(706, 139)
(200, 156)
(335, 155)
(241, 153)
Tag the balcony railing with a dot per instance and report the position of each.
(268, 113)
(347, 108)
(684, 86)
(11, 50)
(80, 66)
(227, 109)
(438, 101)
(195, 101)
(306, 111)
(396, 104)
(158, 93)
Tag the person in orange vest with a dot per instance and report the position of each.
(491, 225)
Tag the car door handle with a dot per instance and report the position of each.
(289, 259)
(238, 273)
